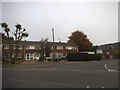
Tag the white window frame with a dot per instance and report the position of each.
(37, 47)
(52, 47)
(6, 46)
(59, 47)
(71, 48)
(19, 55)
(20, 47)
(29, 47)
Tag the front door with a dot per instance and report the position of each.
(28, 56)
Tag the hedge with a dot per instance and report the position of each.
(82, 57)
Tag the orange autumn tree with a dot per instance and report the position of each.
(80, 39)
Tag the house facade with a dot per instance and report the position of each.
(109, 51)
(31, 50)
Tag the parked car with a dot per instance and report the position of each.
(57, 58)
(63, 58)
(49, 58)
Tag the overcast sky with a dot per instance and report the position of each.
(98, 20)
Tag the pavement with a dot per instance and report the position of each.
(93, 65)
(88, 74)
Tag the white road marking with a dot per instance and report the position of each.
(88, 86)
(52, 69)
(113, 70)
(63, 69)
(74, 69)
(106, 67)
(110, 70)
(25, 69)
(34, 69)
(42, 69)
(57, 69)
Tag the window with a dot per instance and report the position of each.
(19, 55)
(99, 51)
(74, 48)
(37, 47)
(14, 47)
(27, 47)
(6, 46)
(20, 47)
(8, 55)
(60, 54)
(71, 48)
(55, 47)
(36, 54)
(52, 48)
(59, 47)
(30, 47)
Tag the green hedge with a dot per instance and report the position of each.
(82, 57)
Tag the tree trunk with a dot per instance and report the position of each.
(10, 50)
(16, 52)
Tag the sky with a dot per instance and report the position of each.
(98, 20)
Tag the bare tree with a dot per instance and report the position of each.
(6, 29)
(45, 49)
(19, 34)
(8, 40)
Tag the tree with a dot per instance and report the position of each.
(80, 39)
(94, 48)
(45, 49)
(8, 39)
(18, 36)
(6, 29)
(116, 53)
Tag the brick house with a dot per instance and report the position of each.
(30, 50)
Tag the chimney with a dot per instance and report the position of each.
(59, 41)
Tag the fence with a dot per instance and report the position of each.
(82, 57)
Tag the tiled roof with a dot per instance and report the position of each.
(38, 43)
(62, 44)
(113, 45)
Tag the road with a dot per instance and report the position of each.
(87, 74)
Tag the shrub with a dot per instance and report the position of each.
(82, 57)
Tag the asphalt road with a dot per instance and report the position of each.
(91, 74)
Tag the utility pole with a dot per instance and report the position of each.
(53, 44)
(53, 34)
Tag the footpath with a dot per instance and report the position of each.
(32, 63)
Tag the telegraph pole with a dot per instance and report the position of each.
(53, 44)
(53, 34)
